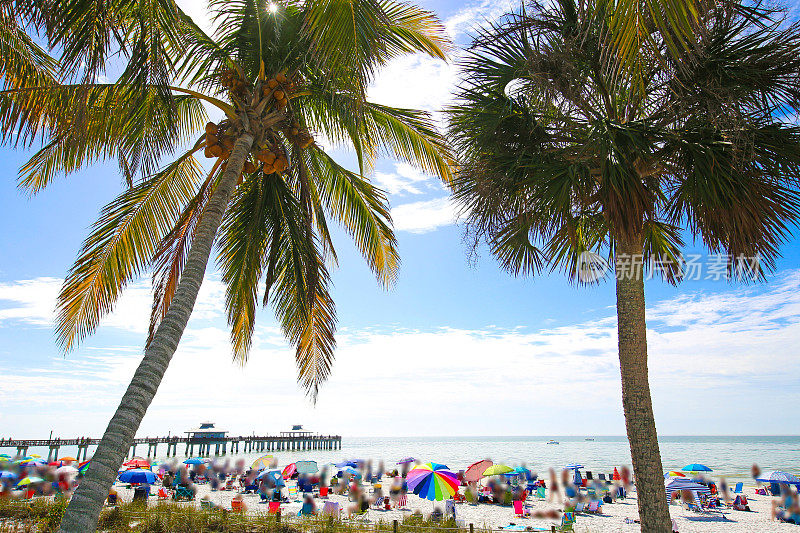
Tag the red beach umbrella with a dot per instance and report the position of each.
(136, 462)
(289, 471)
(475, 471)
(616, 476)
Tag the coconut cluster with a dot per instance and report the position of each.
(269, 96)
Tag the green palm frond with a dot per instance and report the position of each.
(136, 132)
(121, 247)
(22, 62)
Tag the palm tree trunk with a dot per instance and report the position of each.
(84, 509)
(637, 405)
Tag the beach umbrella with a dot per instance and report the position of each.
(273, 475)
(350, 471)
(68, 459)
(673, 473)
(83, 467)
(306, 467)
(345, 464)
(30, 480)
(475, 471)
(262, 462)
(696, 467)
(616, 476)
(7, 475)
(776, 476)
(136, 462)
(432, 481)
(66, 470)
(195, 461)
(289, 471)
(574, 466)
(36, 456)
(406, 460)
(31, 462)
(5, 456)
(138, 475)
(496, 470)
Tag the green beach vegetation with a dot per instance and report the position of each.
(44, 515)
(280, 75)
(572, 159)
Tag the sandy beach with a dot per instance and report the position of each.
(612, 519)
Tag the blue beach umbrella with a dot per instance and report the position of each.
(7, 475)
(344, 464)
(195, 461)
(776, 476)
(696, 467)
(350, 471)
(138, 475)
(276, 476)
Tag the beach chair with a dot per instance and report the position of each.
(274, 507)
(237, 505)
(450, 509)
(331, 509)
(294, 493)
(595, 507)
(520, 510)
(567, 522)
(402, 502)
(601, 477)
(206, 504)
(589, 475)
(306, 510)
(323, 492)
(738, 488)
(761, 491)
(182, 494)
(579, 506)
(541, 492)
(163, 494)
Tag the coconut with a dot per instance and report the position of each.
(227, 143)
(249, 167)
(241, 180)
(294, 132)
(207, 152)
(211, 128)
(272, 83)
(215, 150)
(280, 77)
(268, 169)
(278, 94)
(211, 139)
(281, 164)
(305, 143)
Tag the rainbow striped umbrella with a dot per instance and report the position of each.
(432, 481)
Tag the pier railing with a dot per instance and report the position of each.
(203, 445)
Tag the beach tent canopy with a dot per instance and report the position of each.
(679, 483)
(776, 476)
(475, 471)
(406, 460)
(306, 467)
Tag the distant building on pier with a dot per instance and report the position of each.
(206, 431)
(297, 431)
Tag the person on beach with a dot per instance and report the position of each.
(554, 488)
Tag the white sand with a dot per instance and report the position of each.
(611, 520)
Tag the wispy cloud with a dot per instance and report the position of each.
(424, 216)
(406, 179)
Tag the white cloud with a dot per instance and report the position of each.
(425, 216)
(406, 179)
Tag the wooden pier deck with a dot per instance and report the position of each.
(204, 446)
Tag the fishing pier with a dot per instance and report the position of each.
(194, 443)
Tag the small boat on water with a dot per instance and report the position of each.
(589, 439)
(551, 441)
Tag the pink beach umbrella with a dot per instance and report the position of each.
(475, 471)
(289, 471)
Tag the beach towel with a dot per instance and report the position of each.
(331, 508)
(403, 501)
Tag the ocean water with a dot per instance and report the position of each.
(729, 456)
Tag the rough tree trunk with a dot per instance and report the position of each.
(637, 405)
(84, 509)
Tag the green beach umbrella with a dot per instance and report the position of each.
(496, 470)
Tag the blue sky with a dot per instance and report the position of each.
(453, 341)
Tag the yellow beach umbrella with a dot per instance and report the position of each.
(496, 470)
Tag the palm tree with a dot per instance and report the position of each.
(569, 159)
(284, 77)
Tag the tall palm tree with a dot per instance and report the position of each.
(569, 159)
(286, 78)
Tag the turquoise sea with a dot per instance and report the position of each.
(729, 456)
